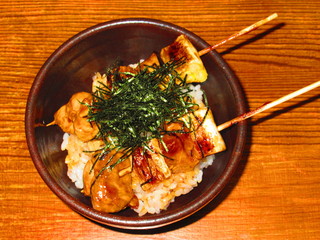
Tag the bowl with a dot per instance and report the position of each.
(69, 70)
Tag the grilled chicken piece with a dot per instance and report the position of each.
(156, 160)
(141, 167)
(182, 49)
(185, 150)
(150, 166)
(100, 80)
(72, 117)
(207, 135)
(109, 191)
(152, 60)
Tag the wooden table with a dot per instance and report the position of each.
(275, 194)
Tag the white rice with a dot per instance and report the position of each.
(78, 156)
(196, 93)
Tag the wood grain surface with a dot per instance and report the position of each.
(275, 192)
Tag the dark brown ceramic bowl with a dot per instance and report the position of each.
(69, 70)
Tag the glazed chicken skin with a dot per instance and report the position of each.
(180, 151)
(110, 190)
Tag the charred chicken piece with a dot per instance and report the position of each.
(150, 165)
(182, 49)
(185, 150)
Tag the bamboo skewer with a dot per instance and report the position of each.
(240, 33)
(267, 106)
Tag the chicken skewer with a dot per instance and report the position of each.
(266, 105)
(183, 48)
(193, 67)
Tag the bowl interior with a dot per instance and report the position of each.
(70, 69)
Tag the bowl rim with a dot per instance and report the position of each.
(150, 221)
